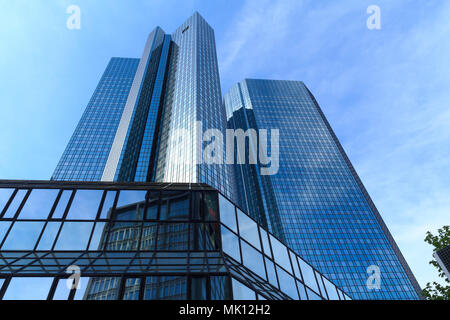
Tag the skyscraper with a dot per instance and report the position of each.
(175, 85)
(316, 201)
(141, 225)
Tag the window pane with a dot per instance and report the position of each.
(99, 234)
(271, 272)
(5, 194)
(230, 244)
(220, 288)
(108, 204)
(294, 263)
(280, 254)
(149, 236)
(124, 236)
(308, 275)
(312, 295)
(152, 206)
(265, 242)
(287, 284)
(175, 205)
(82, 287)
(173, 236)
(28, 288)
(165, 288)
(211, 206)
(102, 289)
(248, 229)
(85, 204)
(49, 235)
(74, 236)
(132, 287)
(15, 203)
(227, 213)
(301, 289)
(62, 204)
(253, 260)
(319, 280)
(4, 226)
(131, 205)
(39, 204)
(198, 288)
(331, 290)
(242, 292)
(23, 235)
(62, 290)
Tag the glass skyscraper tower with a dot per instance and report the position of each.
(316, 201)
(131, 137)
(143, 226)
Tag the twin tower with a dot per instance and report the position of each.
(315, 202)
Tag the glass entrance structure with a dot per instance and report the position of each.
(142, 241)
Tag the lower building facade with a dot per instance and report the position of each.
(142, 241)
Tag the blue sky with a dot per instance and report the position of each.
(385, 92)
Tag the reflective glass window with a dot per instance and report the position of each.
(131, 205)
(230, 244)
(15, 203)
(287, 283)
(81, 289)
(331, 290)
(97, 236)
(319, 280)
(62, 204)
(248, 229)
(198, 288)
(308, 275)
(211, 213)
(28, 288)
(253, 260)
(149, 233)
(4, 226)
(101, 288)
(265, 242)
(165, 288)
(271, 272)
(312, 295)
(152, 206)
(62, 290)
(227, 213)
(173, 236)
(280, 254)
(5, 194)
(175, 206)
(132, 288)
(294, 263)
(38, 204)
(220, 288)
(108, 204)
(74, 236)
(85, 204)
(23, 235)
(49, 235)
(301, 289)
(242, 292)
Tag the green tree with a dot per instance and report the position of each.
(436, 291)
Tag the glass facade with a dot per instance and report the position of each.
(86, 153)
(142, 241)
(315, 202)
